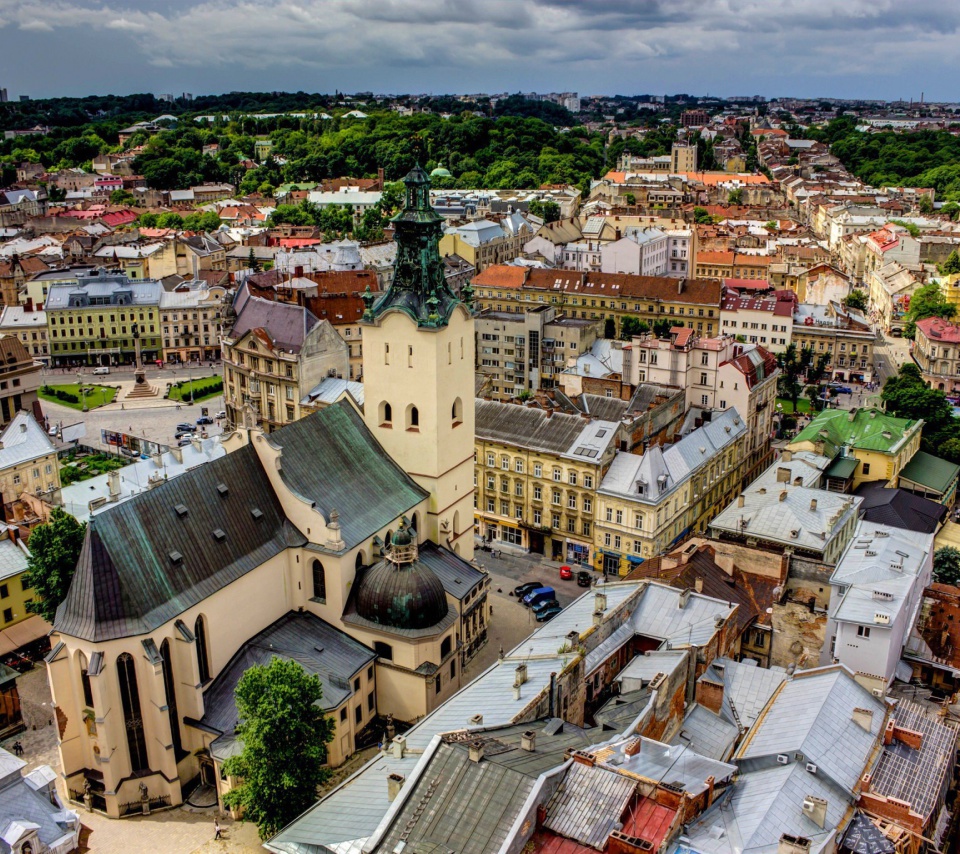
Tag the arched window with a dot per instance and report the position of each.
(384, 650)
(386, 413)
(360, 562)
(319, 581)
(203, 663)
(413, 418)
(132, 719)
(457, 412)
(170, 692)
(415, 525)
(456, 522)
(445, 646)
(85, 681)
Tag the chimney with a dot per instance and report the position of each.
(476, 751)
(793, 845)
(399, 745)
(394, 785)
(813, 504)
(633, 748)
(698, 584)
(683, 598)
(113, 479)
(709, 694)
(600, 601)
(476, 720)
(740, 500)
(786, 456)
(783, 495)
(29, 305)
(521, 672)
(528, 741)
(815, 809)
(597, 617)
(863, 718)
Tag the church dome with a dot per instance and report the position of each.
(401, 596)
(441, 172)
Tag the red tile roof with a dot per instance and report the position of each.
(938, 329)
(747, 284)
(649, 820)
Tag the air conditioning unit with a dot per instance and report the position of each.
(877, 692)
(783, 759)
(811, 768)
(809, 807)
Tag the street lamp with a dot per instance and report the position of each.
(83, 390)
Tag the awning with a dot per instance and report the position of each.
(842, 468)
(20, 634)
(635, 559)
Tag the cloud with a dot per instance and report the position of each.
(764, 46)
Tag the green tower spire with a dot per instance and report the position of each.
(419, 287)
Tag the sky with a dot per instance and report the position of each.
(884, 49)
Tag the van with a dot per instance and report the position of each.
(101, 371)
(541, 594)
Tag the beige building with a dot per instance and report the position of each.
(844, 334)
(536, 475)
(29, 324)
(483, 243)
(648, 502)
(273, 354)
(190, 324)
(936, 351)
(314, 543)
(28, 463)
(20, 377)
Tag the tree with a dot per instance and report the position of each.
(54, 550)
(284, 733)
(547, 211)
(907, 396)
(701, 216)
(927, 301)
(610, 328)
(925, 204)
(147, 220)
(252, 261)
(946, 565)
(735, 197)
(122, 197)
(951, 265)
(630, 199)
(661, 328)
(856, 299)
(793, 365)
(169, 220)
(630, 327)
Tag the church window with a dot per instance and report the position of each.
(446, 646)
(319, 582)
(386, 354)
(132, 719)
(383, 650)
(169, 688)
(386, 414)
(413, 418)
(203, 662)
(457, 412)
(410, 356)
(85, 681)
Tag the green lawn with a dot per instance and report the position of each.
(97, 395)
(202, 389)
(803, 405)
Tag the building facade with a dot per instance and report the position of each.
(190, 324)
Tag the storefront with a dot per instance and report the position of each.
(578, 554)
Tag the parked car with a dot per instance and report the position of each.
(546, 603)
(184, 428)
(221, 414)
(541, 594)
(522, 590)
(186, 440)
(129, 452)
(204, 419)
(584, 578)
(566, 573)
(548, 613)
(103, 370)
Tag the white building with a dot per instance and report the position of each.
(680, 252)
(641, 251)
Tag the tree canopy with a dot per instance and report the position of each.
(284, 735)
(54, 550)
(946, 565)
(856, 299)
(927, 301)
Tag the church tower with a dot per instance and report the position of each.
(418, 372)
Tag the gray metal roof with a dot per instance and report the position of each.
(23, 440)
(747, 687)
(707, 733)
(25, 800)
(332, 459)
(674, 764)
(588, 804)
(144, 561)
(286, 324)
(321, 649)
(13, 558)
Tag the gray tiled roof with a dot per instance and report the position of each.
(286, 324)
(333, 460)
(588, 804)
(23, 440)
(707, 733)
(26, 799)
(13, 558)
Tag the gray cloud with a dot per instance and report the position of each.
(804, 47)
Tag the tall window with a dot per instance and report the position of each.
(85, 681)
(457, 411)
(386, 413)
(203, 663)
(319, 581)
(414, 417)
(132, 719)
(169, 688)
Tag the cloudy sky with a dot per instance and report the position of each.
(844, 48)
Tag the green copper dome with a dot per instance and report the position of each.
(441, 172)
(405, 596)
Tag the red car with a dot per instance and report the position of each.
(566, 573)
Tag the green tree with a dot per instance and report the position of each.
(630, 327)
(54, 550)
(122, 197)
(793, 364)
(55, 193)
(169, 220)
(927, 301)
(949, 449)
(201, 221)
(147, 220)
(907, 396)
(252, 262)
(951, 265)
(946, 565)
(547, 211)
(856, 299)
(701, 216)
(735, 197)
(630, 199)
(284, 735)
(662, 327)
(925, 204)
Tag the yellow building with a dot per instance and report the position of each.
(694, 303)
(95, 320)
(647, 503)
(536, 475)
(877, 445)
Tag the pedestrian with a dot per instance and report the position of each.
(216, 829)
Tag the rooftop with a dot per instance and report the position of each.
(860, 429)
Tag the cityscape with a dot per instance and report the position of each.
(477, 472)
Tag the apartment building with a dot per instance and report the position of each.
(694, 303)
(723, 264)
(647, 502)
(525, 352)
(95, 320)
(716, 374)
(845, 334)
(936, 350)
(483, 243)
(190, 323)
(764, 320)
(273, 355)
(29, 324)
(641, 252)
(535, 475)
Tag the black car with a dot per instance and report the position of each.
(548, 613)
(584, 578)
(204, 419)
(546, 603)
(523, 589)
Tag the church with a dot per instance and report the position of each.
(341, 541)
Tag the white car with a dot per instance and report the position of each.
(101, 371)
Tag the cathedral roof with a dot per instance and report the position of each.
(404, 596)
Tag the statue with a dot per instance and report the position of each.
(144, 792)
